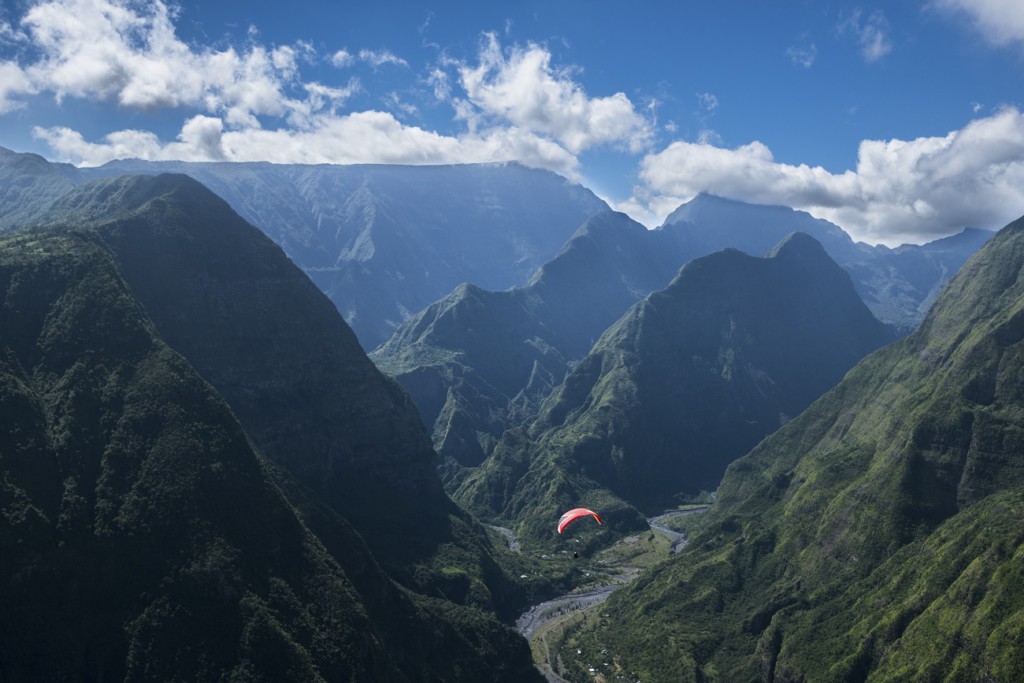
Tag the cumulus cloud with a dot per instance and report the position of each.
(521, 86)
(128, 52)
(353, 138)
(1001, 22)
(253, 103)
(13, 83)
(870, 32)
(901, 190)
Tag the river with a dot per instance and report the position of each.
(538, 615)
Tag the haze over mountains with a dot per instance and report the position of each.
(690, 378)
(383, 242)
(204, 476)
(479, 362)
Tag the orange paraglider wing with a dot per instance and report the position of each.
(573, 515)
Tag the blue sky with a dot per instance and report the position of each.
(899, 121)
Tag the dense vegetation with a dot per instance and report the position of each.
(478, 362)
(686, 381)
(875, 537)
(144, 537)
(202, 476)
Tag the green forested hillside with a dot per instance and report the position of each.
(686, 381)
(875, 537)
(142, 535)
(141, 538)
(255, 327)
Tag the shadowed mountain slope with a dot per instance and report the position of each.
(385, 241)
(260, 332)
(143, 538)
(875, 537)
(478, 362)
(898, 285)
(686, 381)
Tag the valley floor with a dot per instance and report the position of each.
(619, 565)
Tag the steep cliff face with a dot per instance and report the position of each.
(141, 537)
(270, 342)
(875, 537)
(478, 362)
(686, 381)
(384, 242)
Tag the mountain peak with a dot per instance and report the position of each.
(706, 202)
(798, 245)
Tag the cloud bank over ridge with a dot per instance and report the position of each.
(255, 101)
(928, 187)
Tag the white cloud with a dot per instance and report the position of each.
(1001, 22)
(900, 191)
(13, 83)
(9, 35)
(442, 87)
(381, 57)
(253, 103)
(707, 101)
(128, 52)
(523, 88)
(342, 58)
(871, 33)
(803, 56)
(395, 103)
(362, 137)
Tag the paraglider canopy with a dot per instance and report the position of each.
(573, 515)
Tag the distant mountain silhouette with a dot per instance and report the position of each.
(898, 285)
(384, 242)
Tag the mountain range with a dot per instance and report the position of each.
(877, 536)
(898, 284)
(689, 379)
(205, 477)
(383, 242)
(479, 362)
